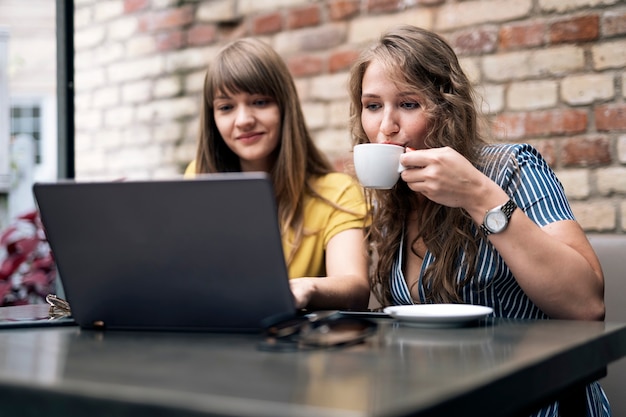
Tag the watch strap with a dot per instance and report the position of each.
(507, 208)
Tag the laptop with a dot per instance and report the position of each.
(197, 254)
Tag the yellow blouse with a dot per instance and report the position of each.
(322, 221)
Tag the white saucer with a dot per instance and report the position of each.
(438, 315)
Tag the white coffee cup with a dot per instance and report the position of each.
(377, 165)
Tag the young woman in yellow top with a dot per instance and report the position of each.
(252, 121)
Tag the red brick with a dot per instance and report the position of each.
(474, 41)
(378, 6)
(307, 16)
(201, 35)
(522, 35)
(167, 41)
(611, 117)
(586, 151)
(167, 19)
(343, 9)
(305, 65)
(131, 6)
(341, 60)
(544, 123)
(577, 29)
(614, 24)
(269, 23)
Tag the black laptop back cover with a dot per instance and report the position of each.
(202, 254)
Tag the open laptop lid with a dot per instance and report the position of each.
(202, 254)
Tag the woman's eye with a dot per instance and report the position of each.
(371, 106)
(410, 105)
(223, 107)
(262, 102)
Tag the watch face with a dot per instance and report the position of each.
(496, 221)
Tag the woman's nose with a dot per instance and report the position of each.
(388, 125)
(244, 117)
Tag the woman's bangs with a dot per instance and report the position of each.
(240, 77)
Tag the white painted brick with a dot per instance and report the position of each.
(254, 6)
(369, 28)
(168, 109)
(167, 87)
(568, 5)
(595, 216)
(576, 183)
(333, 142)
(106, 97)
(89, 162)
(119, 117)
(609, 55)
(88, 119)
(122, 28)
(339, 116)
(87, 80)
(217, 11)
(330, 87)
(88, 37)
(492, 98)
(190, 59)
(109, 52)
(106, 10)
(468, 13)
(108, 139)
(315, 114)
(471, 68)
(621, 149)
(194, 82)
(532, 95)
(137, 91)
(139, 46)
(524, 64)
(83, 16)
(611, 180)
(136, 69)
(585, 89)
(167, 133)
(290, 42)
(137, 134)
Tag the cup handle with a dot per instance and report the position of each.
(401, 167)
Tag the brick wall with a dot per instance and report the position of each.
(551, 72)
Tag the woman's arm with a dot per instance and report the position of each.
(346, 285)
(555, 265)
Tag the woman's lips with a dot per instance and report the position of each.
(250, 136)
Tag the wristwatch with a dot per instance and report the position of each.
(497, 219)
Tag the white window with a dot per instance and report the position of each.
(26, 120)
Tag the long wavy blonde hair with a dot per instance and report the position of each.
(251, 66)
(421, 61)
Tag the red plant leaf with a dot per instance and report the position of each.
(31, 216)
(6, 235)
(27, 246)
(5, 288)
(36, 279)
(46, 263)
(10, 265)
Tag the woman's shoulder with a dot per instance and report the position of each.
(190, 171)
(336, 186)
(335, 179)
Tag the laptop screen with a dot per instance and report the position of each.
(198, 254)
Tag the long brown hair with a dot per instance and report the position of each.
(421, 61)
(253, 67)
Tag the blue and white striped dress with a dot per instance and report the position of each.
(529, 180)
